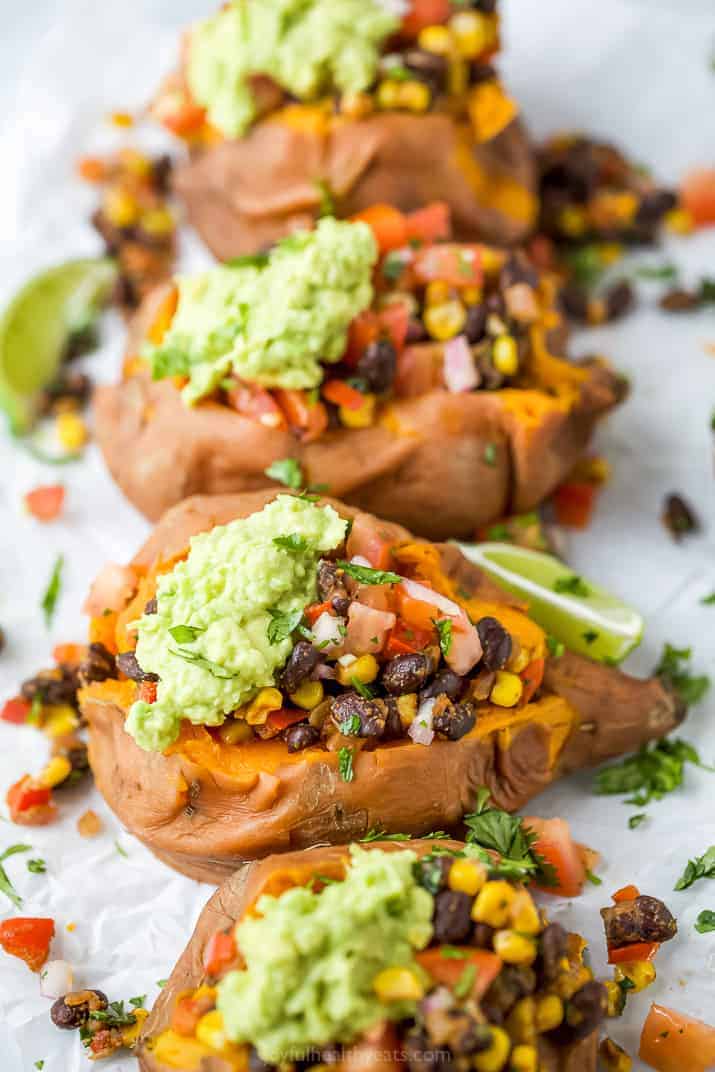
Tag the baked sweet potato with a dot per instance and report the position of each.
(162, 1047)
(205, 806)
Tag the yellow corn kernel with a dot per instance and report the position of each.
(55, 772)
(59, 720)
(210, 1030)
(572, 221)
(120, 208)
(397, 984)
(520, 657)
(492, 260)
(609, 253)
(407, 708)
(521, 1022)
(616, 998)
(524, 1059)
(437, 292)
(493, 903)
(388, 94)
(71, 431)
(549, 1013)
(471, 32)
(467, 876)
(437, 39)
(356, 105)
(493, 1059)
(641, 973)
(414, 96)
(524, 914)
(472, 295)
(121, 119)
(258, 710)
(136, 163)
(131, 1034)
(505, 355)
(235, 731)
(572, 979)
(457, 75)
(613, 1058)
(445, 321)
(359, 418)
(157, 221)
(308, 695)
(514, 948)
(679, 221)
(596, 311)
(365, 669)
(507, 690)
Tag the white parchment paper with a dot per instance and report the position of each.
(637, 72)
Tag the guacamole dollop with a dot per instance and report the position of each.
(309, 47)
(271, 320)
(311, 958)
(209, 639)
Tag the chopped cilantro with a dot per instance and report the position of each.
(586, 265)
(327, 201)
(37, 866)
(705, 921)
(708, 601)
(573, 585)
(282, 624)
(635, 820)
(161, 983)
(593, 879)
(368, 575)
(451, 952)
(52, 592)
(364, 690)
(293, 542)
(393, 266)
(590, 636)
(464, 984)
(345, 764)
(115, 1015)
(138, 1002)
(556, 647)
(215, 669)
(286, 471)
(499, 531)
(490, 454)
(249, 260)
(673, 668)
(667, 272)
(185, 634)
(493, 830)
(701, 867)
(650, 774)
(121, 850)
(6, 885)
(350, 727)
(444, 628)
(376, 834)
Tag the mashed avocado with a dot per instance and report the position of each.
(309, 47)
(272, 320)
(311, 957)
(221, 598)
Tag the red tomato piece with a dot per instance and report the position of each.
(388, 225)
(448, 970)
(374, 544)
(574, 504)
(626, 893)
(425, 13)
(555, 844)
(460, 265)
(69, 654)
(697, 195)
(45, 503)
(394, 320)
(186, 119)
(30, 804)
(256, 403)
(431, 223)
(405, 639)
(342, 394)
(532, 678)
(363, 330)
(220, 953)
(147, 691)
(415, 613)
(630, 954)
(281, 720)
(28, 938)
(313, 612)
(674, 1042)
(16, 710)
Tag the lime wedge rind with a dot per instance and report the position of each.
(572, 619)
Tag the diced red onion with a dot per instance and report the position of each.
(327, 632)
(465, 649)
(56, 979)
(348, 659)
(428, 595)
(460, 371)
(367, 628)
(421, 730)
(360, 560)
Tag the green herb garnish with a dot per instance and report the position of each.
(465, 982)
(657, 271)
(249, 260)
(573, 585)
(708, 601)
(345, 764)
(327, 201)
(122, 851)
(364, 690)
(376, 834)
(185, 634)
(215, 669)
(444, 628)
(635, 820)
(282, 624)
(138, 1002)
(52, 592)
(451, 952)
(593, 879)
(673, 669)
(115, 1015)
(293, 542)
(161, 983)
(6, 885)
(590, 636)
(650, 774)
(350, 727)
(701, 867)
(490, 454)
(39, 1065)
(37, 867)
(286, 471)
(490, 828)
(705, 921)
(368, 575)
(556, 647)
(393, 266)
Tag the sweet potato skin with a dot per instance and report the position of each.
(205, 823)
(442, 464)
(244, 195)
(229, 904)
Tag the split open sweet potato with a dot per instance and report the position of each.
(204, 807)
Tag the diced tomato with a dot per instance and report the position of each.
(405, 639)
(29, 804)
(674, 1042)
(92, 169)
(313, 612)
(258, 404)
(147, 692)
(363, 330)
(415, 613)
(532, 678)
(371, 542)
(555, 844)
(69, 654)
(186, 119)
(630, 954)
(574, 504)
(425, 13)
(367, 629)
(45, 503)
(697, 195)
(448, 970)
(341, 393)
(220, 953)
(281, 720)
(460, 265)
(394, 320)
(16, 710)
(388, 225)
(626, 893)
(431, 223)
(301, 412)
(28, 938)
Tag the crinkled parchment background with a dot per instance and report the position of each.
(635, 71)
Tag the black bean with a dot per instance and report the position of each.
(654, 206)
(69, 384)
(152, 606)
(378, 366)
(488, 7)
(419, 1055)
(644, 919)
(302, 661)
(584, 1012)
(393, 722)
(416, 331)
(73, 1010)
(301, 736)
(679, 300)
(452, 916)
(432, 872)
(406, 673)
(428, 65)
(495, 641)
(574, 299)
(340, 604)
(455, 720)
(511, 985)
(481, 72)
(554, 944)
(518, 269)
(127, 663)
(620, 299)
(58, 686)
(483, 936)
(475, 325)
(161, 173)
(496, 305)
(330, 582)
(98, 666)
(355, 716)
(444, 683)
(678, 517)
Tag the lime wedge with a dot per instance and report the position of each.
(36, 326)
(579, 614)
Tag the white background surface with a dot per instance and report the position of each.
(636, 72)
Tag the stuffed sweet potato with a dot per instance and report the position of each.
(287, 107)
(404, 373)
(452, 997)
(272, 693)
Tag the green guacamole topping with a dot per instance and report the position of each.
(311, 958)
(309, 47)
(209, 639)
(271, 320)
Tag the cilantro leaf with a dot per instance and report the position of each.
(444, 628)
(593, 879)
(249, 260)
(327, 201)
(169, 359)
(708, 601)
(650, 774)
(376, 834)
(350, 726)
(214, 669)
(293, 542)
(673, 669)
(657, 271)
(345, 764)
(37, 867)
(121, 850)
(464, 984)
(556, 647)
(573, 585)
(286, 471)
(490, 454)
(364, 690)
(701, 867)
(282, 624)
(368, 575)
(393, 265)
(635, 820)
(590, 636)
(6, 885)
(138, 1002)
(705, 921)
(185, 634)
(492, 830)
(52, 592)
(115, 1015)
(39, 1065)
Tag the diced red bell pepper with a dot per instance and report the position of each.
(388, 225)
(257, 404)
(697, 195)
(313, 612)
(626, 893)
(633, 953)
(16, 710)
(405, 640)
(287, 716)
(147, 691)
(342, 394)
(309, 417)
(431, 223)
(574, 504)
(220, 953)
(425, 13)
(532, 677)
(28, 938)
(449, 970)
(45, 502)
(460, 265)
(30, 804)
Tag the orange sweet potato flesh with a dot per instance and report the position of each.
(244, 195)
(231, 902)
(442, 464)
(204, 809)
